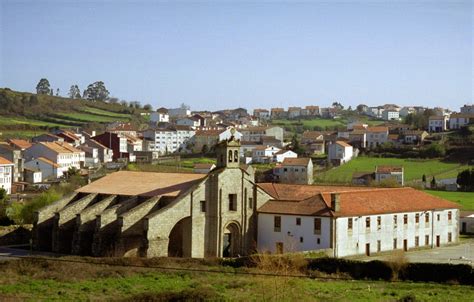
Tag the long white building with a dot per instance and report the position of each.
(168, 140)
(353, 220)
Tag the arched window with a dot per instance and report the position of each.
(236, 156)
(230, 156)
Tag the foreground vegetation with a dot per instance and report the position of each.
(34, 280)
(414, 169)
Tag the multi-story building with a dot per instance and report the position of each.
(179, 112)
(169, 140)
(122, 128)
(49, 169)
(376, 136)
(295, 171)
(16, 157)
(105, 154)
(62, 154)
(278, 113)
(264, 154)
(458, 120)
(467, 109)
(191, 121)
(340, 152)
(391, 115)
(262, 114)
(294, 112)
(405, 111)
(349, 221)
(438, 123)
(115, 142)
(6, 174)
(256, 134)
(210, 138)
(160, 116)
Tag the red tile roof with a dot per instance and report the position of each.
(343, 144)
(4, 161)
(20, 143)
(296, 162)
(377, 129)
(388, 169)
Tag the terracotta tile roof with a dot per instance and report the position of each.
(69, 135)
(354, 201)
(4, 161)
(343, 144)
(388, 169)
(143, 183)
(359, 127)
(60, 147)
(20, 143)
(312, 135)
(377, 129)
(50, 162)
(296, 161)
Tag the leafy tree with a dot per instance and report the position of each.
(43, 87)
(337, 105)
(295, 145)
(148, 107)
(465, 180)
(360, 108)
(74, 92)
(434, 150)
(423, 178)
(433, 182)
(3, 195)
(51, 93)
(96, 92)
(124, 103)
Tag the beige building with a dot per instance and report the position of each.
(295, 171)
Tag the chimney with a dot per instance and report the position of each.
(335, 202)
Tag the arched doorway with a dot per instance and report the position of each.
(180, 239)
(232, 240)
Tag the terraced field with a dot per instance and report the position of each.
(96, 111)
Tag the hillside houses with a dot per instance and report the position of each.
(168, 140)
(294, 171)
(340, 153)
(6, 174)
(62, 154)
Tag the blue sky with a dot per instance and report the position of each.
(219, 54)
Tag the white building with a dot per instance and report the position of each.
(6, 174)
(62, 154)
(349, 221)
(467, 222)
(340, 152)
(280, 156)
(49, 170)
(295, 171)
(387, 172)
(264, 154)
(391, 115)
(168, 140)
(376, 112)
(179, 112)
(438, 123)
(33, 176)
(405, 111)
(262, 114)
(467, 109)
(458, 120)
(257, 134)
(160, 116)
(376, 136)
(192, 122)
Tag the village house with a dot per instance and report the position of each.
(389, 172)
(281, 155)
(391, 115)
(33, 175)
(438, 123)
(278, 113)
(115, 142)
(340, 153)
(256, 134)
(91, 159)
(262, 114)
(458, 120)
(264, 154)
(467, 109)
(210, 138)
(19, 144)
(414, 137)
(47, 137)
(467, 222)
(49, 169)
(16, 157)
(191, 121)
(70, 137)
(160, 116)
(376, 135)
(294, 112)
(105, 154)
(313, 141)
(348, 221)
(121, 128)
(179, 112)
(6, 174)
(311, 111)
(294, 171)
(405, 111)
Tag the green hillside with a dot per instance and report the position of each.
(24, 114)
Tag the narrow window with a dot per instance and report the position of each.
(405, 219)
(395, 243)
(251, 202)
(450, 215)
(438, 217)
(379, 245)
(277, 223)
(379, 221)
(230, 156)
(427, 217)
(450, 237)
(417, 241)
(301, 239)
(417, 218)
(427, 239)
(232, 202)
(236, 156)
(349, 224)
(298, 221)
(367, 222)
(317, 226)
(395, 220)
(318, 241)
(203, 206)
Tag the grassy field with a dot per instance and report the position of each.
(414, 169)
(106, 113)
(88, 117)
(466, 199)
(322, 123)
(8, 121)
(23, 134)
(46, 280)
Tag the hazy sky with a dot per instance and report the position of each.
(228, 53)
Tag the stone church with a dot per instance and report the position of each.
(158, 214)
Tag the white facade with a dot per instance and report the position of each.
(168, 140)
(159, 117)
(296, 233)
(6, 176)
(437, 123)
(179, 112)
(387, 232)
(469, 109)
(279, 157)
(49, 170)
(340, 152)
(190, 122)
(375, 138)
(391, 115)
(405, 111)
(457, 121)
(264, 155)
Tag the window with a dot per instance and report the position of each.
(379, 245)
(301, 239)
(317, 226)
(318, 241)
(298, 221)
(277, 224)
(427, 217)
(203, 206)
(349, 224)
(427, 239)
(251, 202)
(417, 241)
(367, 222)
(232, 202)
(379, 221)
(279, 247)
(395, 243)
(417, 218)
(405, 219)
(450, 215)
(438, 217)
(236, 156)
(450, 237)
(230, 156)
(395, 220)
